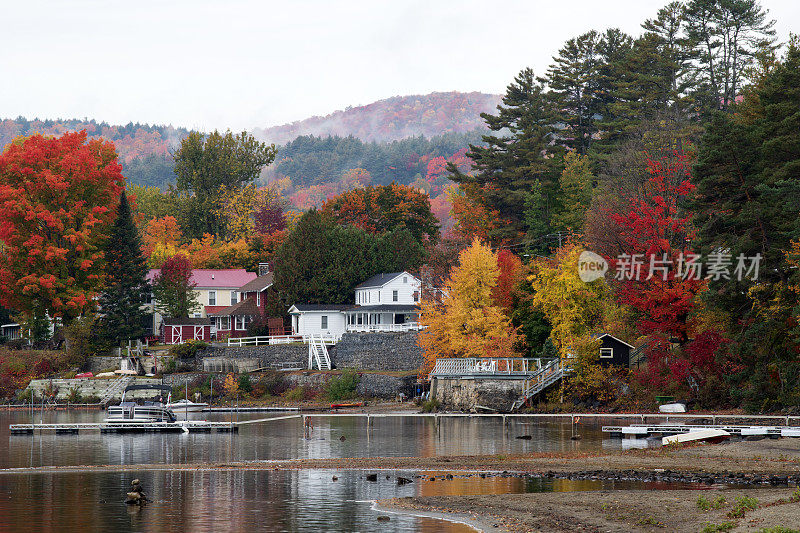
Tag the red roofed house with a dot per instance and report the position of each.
(234, 320)
(217, 289)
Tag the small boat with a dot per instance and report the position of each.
(713, 436)
(344, 405)
(672, 408)
(144, 411)
(187, 406)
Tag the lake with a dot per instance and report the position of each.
(236, 500)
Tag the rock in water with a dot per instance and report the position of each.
(383, 519)
(403, 480)
(372, 477)
(342, 438)
(524, 437)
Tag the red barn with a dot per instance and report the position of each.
(178, 330)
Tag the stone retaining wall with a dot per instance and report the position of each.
(378, 351)
(467, 394)
(248, 358)
(88, 387)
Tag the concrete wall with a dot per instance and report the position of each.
(467, 394)
(378, 351)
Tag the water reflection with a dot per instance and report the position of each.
(284, 439)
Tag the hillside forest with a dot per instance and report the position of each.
(669, 158)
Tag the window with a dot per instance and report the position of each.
(234, 297)
(224, 323)
(606, 353)
(212, 297)
(405, 279)
(394, 296)
(324, 322)
(196, 315)
(416, 296)
(240, 323)
(379, 296)
(258, 299)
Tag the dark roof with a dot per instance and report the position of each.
(615, 338)
(384, 308)
(322, 307)
(258, 284)
(186, 322)
(246, 307)
(379, 280)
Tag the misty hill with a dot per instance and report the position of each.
(394, 118)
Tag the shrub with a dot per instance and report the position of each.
(431, 406)
(714, 528)
(342, 387)
(273, 383)
(245, 385)
(295, 395)
(74, 395)
(188, 349)
(170, 367)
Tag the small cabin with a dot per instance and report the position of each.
(613, 351)
(178, 330)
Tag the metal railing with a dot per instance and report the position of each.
(488, 366)
(546, 376)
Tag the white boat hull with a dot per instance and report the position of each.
(672, 408)
(709, 435)
(187, 407)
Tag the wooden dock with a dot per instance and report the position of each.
(644, 430)
(182, 426)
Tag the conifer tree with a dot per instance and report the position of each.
(515, 157)
(576, 192)
(127, 286)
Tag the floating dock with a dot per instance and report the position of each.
(643, 430)
(182, 426)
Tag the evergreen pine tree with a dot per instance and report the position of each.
(126, 270)
(515, 157)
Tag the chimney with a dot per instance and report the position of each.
(264, 269)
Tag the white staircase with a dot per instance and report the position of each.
(115, 387)
(318, 352)
(546, 376)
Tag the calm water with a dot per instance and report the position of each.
(206, 500)
(283, 439)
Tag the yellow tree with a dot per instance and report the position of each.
(467, 322)
(236, 207)
(576, 309)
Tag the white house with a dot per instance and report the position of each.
(384, 302)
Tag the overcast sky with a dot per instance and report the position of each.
(244, 64)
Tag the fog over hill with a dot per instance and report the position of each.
(394, 118)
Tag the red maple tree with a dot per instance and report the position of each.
(58, 197)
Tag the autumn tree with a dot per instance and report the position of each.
(467, 322)
(269, 217)
(173, 288)
(204, 164)
(236, 209)
(58, 198)
(383, 208)
(164, 233)
(126, 285)
(576, 193)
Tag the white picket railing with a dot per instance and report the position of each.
(278, 339)
(369, 328)
(472, 366)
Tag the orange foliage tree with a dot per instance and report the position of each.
(164, 232)
(58, 198)
(378, 209)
